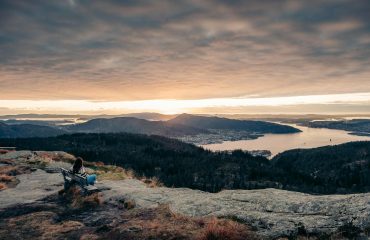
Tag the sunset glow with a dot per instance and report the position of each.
(172, 106)
(184, 56)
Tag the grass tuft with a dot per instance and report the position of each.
(2, 186)
(6, 178)
(77, 200)
(152, 182)
(220, 229)
(129, 204)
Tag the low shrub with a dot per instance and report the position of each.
(14, 170)
(112, 175)
(152, 182)
(6, 178)
(2, 186)
(109, 172)
(77, 200)
(217, 229)
(349, 230)
(129, 204)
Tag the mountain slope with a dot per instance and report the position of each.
(27, 130)
(134, 125)
(231, 124)
(333, 169)
(174, 162)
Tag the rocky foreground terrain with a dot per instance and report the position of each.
(32, 196)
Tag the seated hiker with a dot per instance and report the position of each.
(78, 168)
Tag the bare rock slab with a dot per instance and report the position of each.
(274, 213)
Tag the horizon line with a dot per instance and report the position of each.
(175, 106)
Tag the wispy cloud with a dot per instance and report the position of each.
(138, 50)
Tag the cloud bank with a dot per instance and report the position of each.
(139, 50)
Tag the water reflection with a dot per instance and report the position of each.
(276, 143)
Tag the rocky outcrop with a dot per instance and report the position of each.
(31, 188)
(273, 213)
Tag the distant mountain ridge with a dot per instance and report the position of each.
(182, 125)
(232, 124)
(142, 115)
(134, 125)
(149, 116)
(356, 126)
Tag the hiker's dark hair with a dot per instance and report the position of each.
(77, 165)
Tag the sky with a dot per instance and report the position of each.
(197, 56)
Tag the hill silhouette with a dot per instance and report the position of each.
(134, 125)
(232, 124)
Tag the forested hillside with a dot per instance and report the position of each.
(333, 169)
(175, 163)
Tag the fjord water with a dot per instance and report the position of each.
(276, 143)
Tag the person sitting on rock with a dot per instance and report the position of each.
(78, 168)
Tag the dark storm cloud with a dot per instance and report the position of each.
(116, 50)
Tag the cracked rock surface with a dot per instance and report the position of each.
(274, 213)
